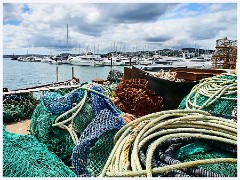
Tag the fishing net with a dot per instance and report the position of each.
(109, 89)
(202, 150)
(114, 76)
(24, 156)
(89, 141)
(56, 139)
(96, 141)
(92, 110)
(52, 105)
(217, 95)
(17, 107)
(175, 143)
(134, 97)
(99, 153)
(81, 121)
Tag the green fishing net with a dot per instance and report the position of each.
(199, 151)
(24, 156)
(17, 107)
(99, 153)
(58, 140)
(225, 104)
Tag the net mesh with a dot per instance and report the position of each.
(134, 97)
(17, 107)
(57, 140)
(226, 104)
(99, 153)
(96, 141)
(24, 156)
(81, 121)
(95, 124)
(199, 150)
(104, 122)
(115, 76)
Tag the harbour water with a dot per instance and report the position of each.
(18, 74)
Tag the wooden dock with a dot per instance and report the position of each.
(73, 83)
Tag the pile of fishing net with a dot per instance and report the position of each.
(109, 89)
(175, 143)
(51, 106)
(115, 76)
(217, 95)
(24, 156)
(133, 96)
(96, 141)
(17, 107)
(80, 124)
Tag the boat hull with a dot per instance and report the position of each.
(172, 92)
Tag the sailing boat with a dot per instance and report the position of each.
(61, 58)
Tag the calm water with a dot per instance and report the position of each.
(28, 74)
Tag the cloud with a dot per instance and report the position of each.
(209, 26)
(12, 12)
(129, 25)
(158, 38)
(216, 7)
(137, 13)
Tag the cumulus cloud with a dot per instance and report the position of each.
(158, 38)
(12, 12)
(130, 26)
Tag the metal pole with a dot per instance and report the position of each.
(72, 72)
(57, 72)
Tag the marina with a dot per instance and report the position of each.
(121, 92)
(79, 113)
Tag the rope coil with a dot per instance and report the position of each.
(150, 133)
(217, 94)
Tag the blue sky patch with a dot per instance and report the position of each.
(12, 22)
(25, 8)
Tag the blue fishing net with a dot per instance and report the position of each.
(99, 102)
(104, 122)
(98, 134)
(57, 104)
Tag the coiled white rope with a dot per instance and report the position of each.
(161, 126)
(214, 88)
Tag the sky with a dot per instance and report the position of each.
(40, 28)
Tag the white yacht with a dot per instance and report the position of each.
(199, 63)
(86, 60)
(45, 59)
(146, 61)
(52, 61)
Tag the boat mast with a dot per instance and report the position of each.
(67, 37)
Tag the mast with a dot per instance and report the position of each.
(67, 37)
